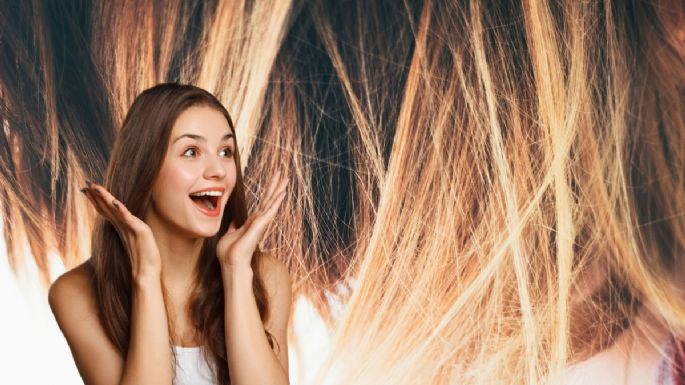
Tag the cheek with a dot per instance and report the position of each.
(231, 174)
(176, 176)
(173, 179)
(182, 178)
(229, 182)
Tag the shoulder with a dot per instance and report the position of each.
(73, 303)
(276, 279)
(74, 290)
(274, 269)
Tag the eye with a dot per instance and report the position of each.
(193, 149)
(228, 151)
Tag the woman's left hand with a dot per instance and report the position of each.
(236, 247)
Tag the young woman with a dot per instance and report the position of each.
(176, 289)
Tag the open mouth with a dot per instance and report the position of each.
(207, 202)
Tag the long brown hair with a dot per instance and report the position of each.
(138, 154)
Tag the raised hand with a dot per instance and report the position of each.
(135, 234)
(236, 247)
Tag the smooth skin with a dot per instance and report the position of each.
(250, 358)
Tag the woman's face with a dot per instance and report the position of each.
(199, 157)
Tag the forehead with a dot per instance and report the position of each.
(201, 120)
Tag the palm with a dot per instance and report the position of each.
(239, 243)
(134, 233)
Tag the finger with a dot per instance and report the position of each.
(121, 212)
(111, 203)
(132, 221)
(276, 188)
(262, 219)
(89, 195)
(234, 233)
(280, 189)
(106, 202)
(232, 226)
(96, 200)
(271, 211)
(249, 220)
(273, 183)
(282, 185)
(261, 222)
(279, 185)
(267, 212)
(116, 211)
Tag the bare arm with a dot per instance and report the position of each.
(73, 304)
(97, 359)
(251, 360)
(148, 359)
(149, 354)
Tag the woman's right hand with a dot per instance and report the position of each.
(136, 235)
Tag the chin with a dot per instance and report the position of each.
(198, 230)
(207, 233)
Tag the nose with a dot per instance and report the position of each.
(215, 168)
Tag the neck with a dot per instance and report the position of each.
(179, 257)
(179, 253)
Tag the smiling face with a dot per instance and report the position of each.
(197, 176)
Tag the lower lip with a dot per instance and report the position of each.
(206, 211)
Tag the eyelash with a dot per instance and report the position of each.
(227, 149)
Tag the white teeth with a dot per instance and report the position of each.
(207, 193)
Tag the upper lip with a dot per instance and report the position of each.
(220, 189)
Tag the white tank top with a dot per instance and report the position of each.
(191, 368)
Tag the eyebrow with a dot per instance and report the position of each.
(201, 138)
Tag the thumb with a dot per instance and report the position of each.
(232, 226)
